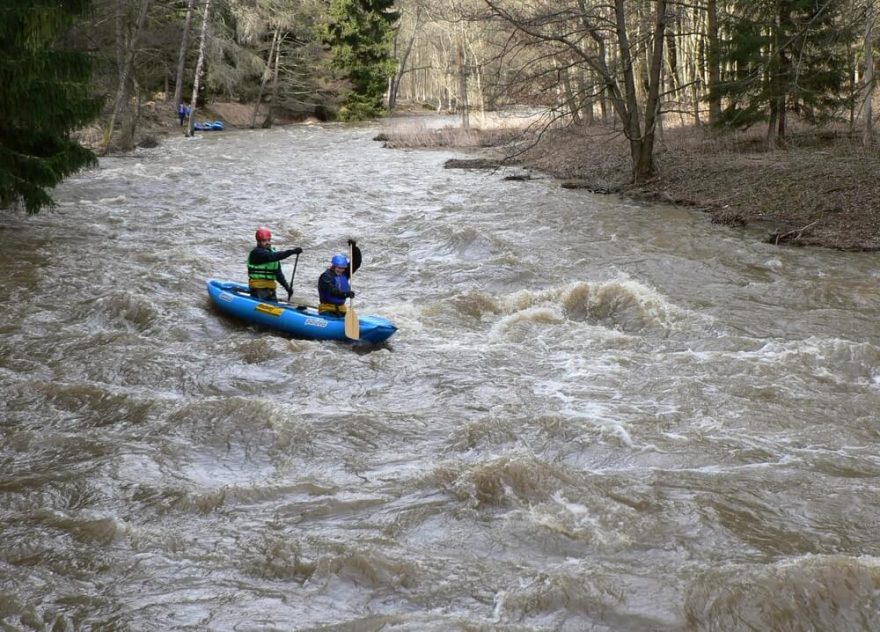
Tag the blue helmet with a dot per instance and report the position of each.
(340, 261)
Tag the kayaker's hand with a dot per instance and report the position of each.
(349, 294)
(352, 243)
(297, 250)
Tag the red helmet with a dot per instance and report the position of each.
(263, 234)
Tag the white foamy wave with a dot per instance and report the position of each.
(623, 305)
(540, 314)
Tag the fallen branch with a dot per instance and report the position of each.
(800, 232)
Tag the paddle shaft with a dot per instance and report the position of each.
(352, 326)
(350, 267)
(292, 276)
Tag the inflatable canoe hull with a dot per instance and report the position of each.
(208, 126)
(234, 300)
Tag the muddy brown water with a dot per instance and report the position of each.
(595, 415)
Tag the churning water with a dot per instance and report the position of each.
(595, 415)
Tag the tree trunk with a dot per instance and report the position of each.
(132, 123)
(181, 57)
(714, 63)
(779, 77)
(630, 109)
(463, 88)
(265, 78)
(586, 104)
(267, 122)
(394, 80)
(199, 64)
(870, 19)
(571, 100)
(126, 52)
(641, 147)
(645, 166)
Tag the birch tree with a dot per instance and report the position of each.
(199, 65)
(181, 57)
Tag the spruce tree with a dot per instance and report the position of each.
(783, 55)
(45, 96)
(360, 35)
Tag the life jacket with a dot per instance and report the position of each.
(334, 303)
(263, 275)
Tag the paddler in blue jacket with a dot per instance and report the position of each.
(333, 284)
(264, 267)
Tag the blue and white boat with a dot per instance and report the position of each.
(301, 321)
(206, 126)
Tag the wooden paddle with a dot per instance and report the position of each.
(352, 326)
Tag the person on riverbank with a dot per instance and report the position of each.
(181, 112)
(264, 267)
(334, 283)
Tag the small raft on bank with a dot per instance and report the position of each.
(206, 126)
(301, 321)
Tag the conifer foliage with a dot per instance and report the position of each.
(785, 55)
(45, 95)
(360, 34)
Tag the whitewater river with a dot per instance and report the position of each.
(595, 415)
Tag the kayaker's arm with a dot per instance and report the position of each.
(355, 257)
(264, 255)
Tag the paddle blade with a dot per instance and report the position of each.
(352, 326)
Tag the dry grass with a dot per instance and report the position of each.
(485, 130)
(448, 137)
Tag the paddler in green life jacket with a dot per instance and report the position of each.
(264, 266)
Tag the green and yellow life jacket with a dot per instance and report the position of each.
(263, 275)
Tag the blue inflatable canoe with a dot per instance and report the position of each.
(208, 125)
(301, 321)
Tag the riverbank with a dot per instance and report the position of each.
(158, 119)
(822, 190)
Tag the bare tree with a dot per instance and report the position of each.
(553, 27)
(403, 56)
(127, 48)
(181, 58)
(274, 51)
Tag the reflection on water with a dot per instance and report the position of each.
(594, 415)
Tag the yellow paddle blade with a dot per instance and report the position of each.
(352, 326)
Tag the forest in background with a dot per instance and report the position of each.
(638, 66)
